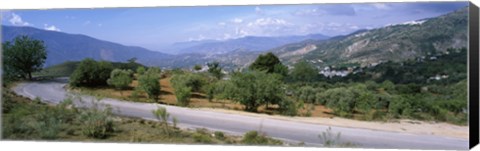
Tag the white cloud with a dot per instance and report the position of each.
(381, 6)
(237, 20)
(100, 25)
(17, 20)
(268, 22)
(222, 23)
(51, 28)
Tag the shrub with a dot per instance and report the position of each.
(306, 94)
(341, 100)
(194, 81)
(219, 135)
(140, 70)
(202, 138)
(91, 73)
(120, 79)
(254, 138)
(288, 107)
(96, 123)
(215, 70)
(149, 82)
(183, 95)
(162, 115)
(328, 138)
(185, 84)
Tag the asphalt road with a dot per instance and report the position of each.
(53, 92)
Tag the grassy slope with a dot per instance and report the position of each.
(24, 119)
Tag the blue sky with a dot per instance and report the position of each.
(157, 27)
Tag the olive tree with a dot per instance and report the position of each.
(149, 83)
(255, 88)
(120, 79)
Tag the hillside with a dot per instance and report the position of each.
(62, 47)
(391, 43)
(67, 68)
(250, 43)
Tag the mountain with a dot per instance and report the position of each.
(397, 43)
(238, 58)
(62, 47)
(250, 43)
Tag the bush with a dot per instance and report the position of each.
(140, 70)
(194, 81)
(91, 73)
(328, 138)
(219, 135)
(162, 115)
(120, 79)
(341, 100)
(185, 84)
(149, 82)
(202, 138)
(288, 107)
(96, 123)
(254, 138)
(306, 94)
(183, 95)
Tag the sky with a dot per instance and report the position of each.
(155, 28)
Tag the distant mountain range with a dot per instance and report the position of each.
(250, 43)
(391, 43)
(62, 47)
(394, 42)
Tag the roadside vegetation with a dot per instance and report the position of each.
(268, 86)
(25, 119)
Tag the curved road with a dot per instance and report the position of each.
(53, 92)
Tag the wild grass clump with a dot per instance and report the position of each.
(96, 123)
(254, 138)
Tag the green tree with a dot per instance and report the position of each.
(91, 73)
(185, 84)
(306, 94)
(304, 72)
(269, 63)
(215, 69)
(120, 79)
(140, 70)
(341, 100)
(194, 81)
(149, 83)
(197, 67)
(255, 88)
(23, 57)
